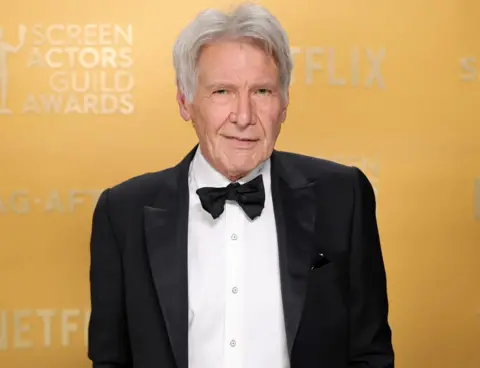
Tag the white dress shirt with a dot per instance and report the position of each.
(235, 301)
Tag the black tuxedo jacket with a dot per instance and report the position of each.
(333, 278)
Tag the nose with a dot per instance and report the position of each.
(243, 116)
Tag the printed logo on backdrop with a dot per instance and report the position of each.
(355, 67)
(469, 66)
(81, 69)
(44, 328)
(23, 202)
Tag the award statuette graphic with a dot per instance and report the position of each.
(5, 49)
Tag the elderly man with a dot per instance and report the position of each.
(241, 255)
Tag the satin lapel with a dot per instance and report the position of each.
(166, 237)
(295, 206)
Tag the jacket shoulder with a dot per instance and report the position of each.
(333, 175)
(313, 167)
(137, 191)
(338, 178)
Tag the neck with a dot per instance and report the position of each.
(229, 174)
(233, 178)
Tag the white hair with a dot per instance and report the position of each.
(245, 21)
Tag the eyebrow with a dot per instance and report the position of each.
(221, 85)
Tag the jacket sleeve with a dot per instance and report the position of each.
(108, 343)
(370, 333)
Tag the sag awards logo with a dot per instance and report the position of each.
(86, 69)
(22, 202)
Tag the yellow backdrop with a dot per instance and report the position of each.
(391, 87)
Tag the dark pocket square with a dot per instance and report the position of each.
(319, 261)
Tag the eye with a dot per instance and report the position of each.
(220, 92)
(264, 91)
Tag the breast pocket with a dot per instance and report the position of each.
(326, 273)
(328, 286)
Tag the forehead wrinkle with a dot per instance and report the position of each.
(263, 70)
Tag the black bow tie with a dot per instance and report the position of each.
(250, 196)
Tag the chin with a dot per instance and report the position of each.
(239, 163)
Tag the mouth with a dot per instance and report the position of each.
(241, 139)
(241, 143)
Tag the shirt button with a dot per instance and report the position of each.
(234, 237)
(233, 343)
(235, 290)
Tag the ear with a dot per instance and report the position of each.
(183, 106)
(283, 113)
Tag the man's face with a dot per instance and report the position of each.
(238, 109)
